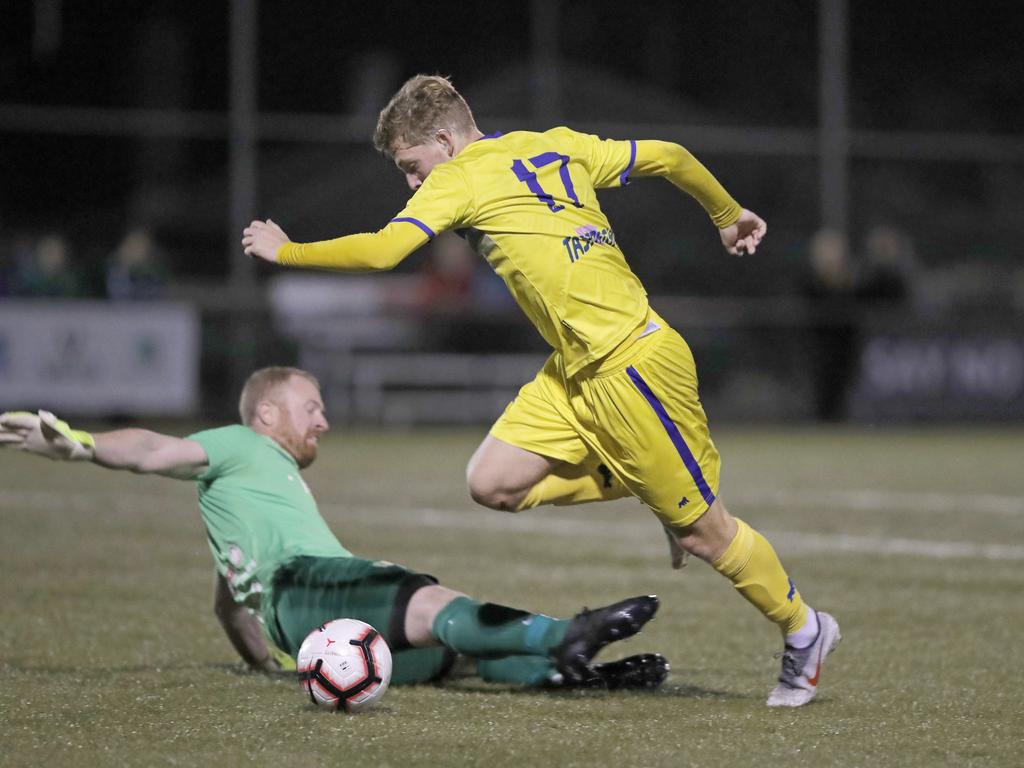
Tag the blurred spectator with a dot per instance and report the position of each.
(840, 293)
(136, 270)
(889, 264)
(43, 269)
(446, 278)
(830, 288)
(466, 303)
(455, 278)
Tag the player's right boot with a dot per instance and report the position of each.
(801, 667)
(590, 631)
(643, 671)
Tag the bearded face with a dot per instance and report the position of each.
(302, 445)
(299, 420)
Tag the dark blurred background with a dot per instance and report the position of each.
(881, 141)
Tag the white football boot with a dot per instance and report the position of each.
(801, 667)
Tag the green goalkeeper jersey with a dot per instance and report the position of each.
(258, 511)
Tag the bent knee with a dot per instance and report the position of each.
(494, 497)
(710, 535)
(488, 491)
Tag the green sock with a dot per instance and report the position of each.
(486, 630)
(522, 670)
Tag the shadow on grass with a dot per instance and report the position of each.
(671, 690)
(470, 686)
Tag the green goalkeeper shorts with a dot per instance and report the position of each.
(310, 591)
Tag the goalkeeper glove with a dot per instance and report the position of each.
(45, 435)
(284, 661)
(276, 662)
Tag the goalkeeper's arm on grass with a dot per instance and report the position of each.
(144, 452)
(245, 633)
(136, 450)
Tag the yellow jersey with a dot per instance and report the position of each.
(527, 203)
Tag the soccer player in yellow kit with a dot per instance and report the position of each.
(619, 392)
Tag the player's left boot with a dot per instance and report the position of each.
(645, 671)
(590, 631)
(801, 667)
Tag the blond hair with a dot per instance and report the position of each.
(423, 105)
(261, 385)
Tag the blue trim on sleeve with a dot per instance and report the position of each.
(624, 176)
(430, 233)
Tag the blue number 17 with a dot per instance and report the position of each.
(529, 178)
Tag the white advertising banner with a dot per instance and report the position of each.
(99, 358)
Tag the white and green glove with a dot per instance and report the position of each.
(45, 435)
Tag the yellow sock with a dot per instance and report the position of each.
(752, 566)
(574, 484)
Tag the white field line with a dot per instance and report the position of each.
(639, 530)
(881, 501)
(652, 541)
(793, 542)
(859, 500)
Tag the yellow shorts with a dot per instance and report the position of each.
(637, 411)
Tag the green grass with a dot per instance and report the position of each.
(110, 654)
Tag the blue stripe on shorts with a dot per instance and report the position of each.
(673, 432)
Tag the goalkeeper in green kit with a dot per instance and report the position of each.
(281, 572)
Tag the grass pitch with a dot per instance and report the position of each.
(110, 654)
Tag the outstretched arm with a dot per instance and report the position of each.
(146, 452)
(741, 230)
(353, 253)
(444, 201)
(135, 450)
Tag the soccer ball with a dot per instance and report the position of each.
(344, 664)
